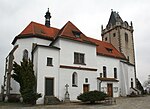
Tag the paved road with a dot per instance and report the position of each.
(122, 103)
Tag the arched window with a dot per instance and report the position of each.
(131, 82)
(74, 79)
(115, 72)
(25, 54)
(126, 37)
(104, 72)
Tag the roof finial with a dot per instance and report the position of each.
(131, 24)
(111, 10)
(47, 18)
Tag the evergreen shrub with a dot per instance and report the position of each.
(92, 96)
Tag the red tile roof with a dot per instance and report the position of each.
(104, 47)
(37, 30)
(67, 31)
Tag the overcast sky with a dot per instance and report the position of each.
(87, 15)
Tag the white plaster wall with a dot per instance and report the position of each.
(131, 74)
(68, 47)
(127, 74)
(57, 43)
(25, 43)
(124, 79)
(44, 71)
(42, 41)
(66, 78)
(65, 56)
(35, 62)
(110, 64)
(115, 84)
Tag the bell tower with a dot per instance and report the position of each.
(120, 34)
(47, 18)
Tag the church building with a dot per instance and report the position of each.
(67, 62)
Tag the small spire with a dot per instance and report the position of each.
(101, 27)
(111, 10)
(47, 18)
(131, 24)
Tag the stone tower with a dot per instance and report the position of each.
(120, 34)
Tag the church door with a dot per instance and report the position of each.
(85, 88)
(110, 90)
(49, 86)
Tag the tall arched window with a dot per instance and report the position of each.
(131, 82)
(25, 54)
(115, 72)
(104, 72)
(126, 37)
(74, 79)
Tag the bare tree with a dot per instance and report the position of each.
(147, 84)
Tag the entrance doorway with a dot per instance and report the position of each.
(49, 86)
(110, 90)
(85, 88)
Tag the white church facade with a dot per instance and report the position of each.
(67, 57)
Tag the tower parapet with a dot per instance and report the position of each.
(124, 25)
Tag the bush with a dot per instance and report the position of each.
(30, 97)
(24, 75)
(92, 96)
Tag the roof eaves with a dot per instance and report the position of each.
(127, 63)
(108, 79)
(53, 47)
(37, 45)
(102, 54)
(31, 36)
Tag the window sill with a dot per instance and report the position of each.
(74, 85)
(80, 63)
(50, 65)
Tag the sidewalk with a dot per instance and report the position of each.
(122, 103)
